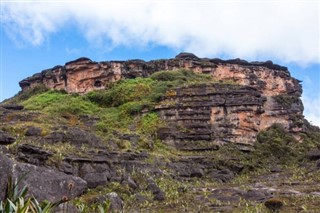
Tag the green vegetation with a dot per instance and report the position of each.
(142, 93)
(55, 102)
(274, 204)
(21, 96)
(181, 76)
(286, 101)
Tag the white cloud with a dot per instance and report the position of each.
(312, 108)
(287, 31)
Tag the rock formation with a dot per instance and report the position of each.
(246, 98)
(105, 154)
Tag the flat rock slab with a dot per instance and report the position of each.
(13, 107)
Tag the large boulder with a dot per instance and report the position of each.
(5, 173)
(42, 183)
(33, 131)
(95, 174)
(48, 184)
(5, 138)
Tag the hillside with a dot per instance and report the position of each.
(184, 134)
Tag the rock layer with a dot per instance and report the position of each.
(83, 75)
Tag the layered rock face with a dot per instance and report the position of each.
(246, 98)
(202, 116)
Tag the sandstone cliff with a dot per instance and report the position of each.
(243, 99)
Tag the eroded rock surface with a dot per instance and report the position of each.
(83, 75)
(203, 115)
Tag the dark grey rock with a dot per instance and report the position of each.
(116, 203)
(4, 150)
(66, 207)
(153, 187)
(140, 198)
(93, 175)
(221, 176)
(187, 170)
(5, 138)
(33, 154)
(259, 195)
(89, 120)
(160, 196)
(130, 182)
(275, 169)
(73, 135)
(33, 131)
(13, 107)
(96, 179)
(313, 155)
(227, 195)
(5, 173)
(66, 168)
(131, 137)
(48, 184)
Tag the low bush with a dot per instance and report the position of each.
(182, 75)
(55, 102)
(24, 95)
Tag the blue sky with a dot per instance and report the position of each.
(39, 35)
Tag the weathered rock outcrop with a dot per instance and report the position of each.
(83, 75)
(202, 116)
(248, 96)
(43, 183)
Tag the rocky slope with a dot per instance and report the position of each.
(154, 143)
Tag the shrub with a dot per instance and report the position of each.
(181, 75)
(150, 124)
(274, 204)
(286, 101)
(122, 92)
(24, 95)
(277, 145)
(134, 107)
(56, 102)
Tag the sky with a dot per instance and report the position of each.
(36, 35)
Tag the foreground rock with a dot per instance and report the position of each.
(43, 183)
(5, 173)
(5, 138)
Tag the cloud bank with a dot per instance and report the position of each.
(287, 31)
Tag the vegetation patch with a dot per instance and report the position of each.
(55, 102)
(286, 101)
(26, 94)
